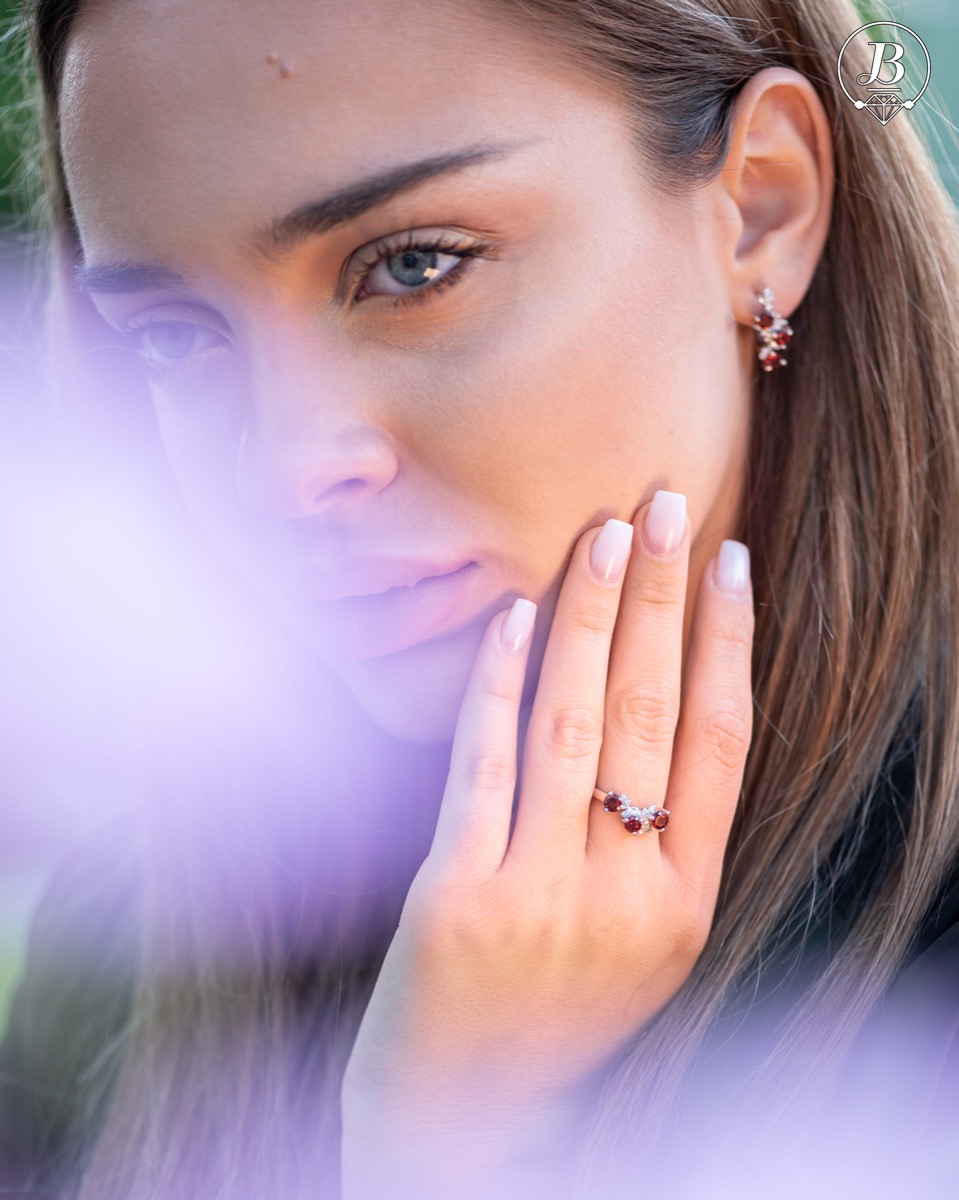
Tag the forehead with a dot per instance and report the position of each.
(173, 108)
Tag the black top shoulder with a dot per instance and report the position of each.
(910, 1048)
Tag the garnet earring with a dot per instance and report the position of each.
(773, 332)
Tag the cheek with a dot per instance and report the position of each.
(574, 396)
(578, 396)
(197, 454)
(201, 452)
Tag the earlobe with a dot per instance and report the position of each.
(777, 184)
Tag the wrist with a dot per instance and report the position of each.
(448, 1148)
(435, 1169)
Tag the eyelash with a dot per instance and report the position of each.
(410, 241)
(136, 334)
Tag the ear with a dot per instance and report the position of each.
(775, 190)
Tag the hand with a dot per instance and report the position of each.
(524, 961)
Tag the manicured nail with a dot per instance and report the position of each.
(665, 522)
(518, 625)
(732, 568)
(610, 550)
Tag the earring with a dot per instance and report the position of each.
(773, 332)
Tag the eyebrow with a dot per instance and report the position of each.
(127, 277)
(308, 220)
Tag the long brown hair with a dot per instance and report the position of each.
(852, 520)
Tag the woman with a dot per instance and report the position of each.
(501, 294)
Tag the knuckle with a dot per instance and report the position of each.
(593, 619)
(488, 771)
(658, 588)
(733, 629)
(573, 733)
(727, 732)
(494, 687)
(646, 715)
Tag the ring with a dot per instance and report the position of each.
(636, 820)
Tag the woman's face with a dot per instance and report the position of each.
(355, 358)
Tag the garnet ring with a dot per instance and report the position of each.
(636, 820)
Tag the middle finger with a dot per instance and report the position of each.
(563, 737)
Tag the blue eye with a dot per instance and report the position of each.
(166, 343)
(414, 270)
(407, 267)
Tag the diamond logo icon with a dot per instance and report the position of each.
(883, 67)
(884, 106)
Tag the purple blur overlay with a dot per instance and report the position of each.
(196, 789)
(218, 796)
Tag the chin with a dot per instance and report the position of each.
(422, 723)
(416, 694)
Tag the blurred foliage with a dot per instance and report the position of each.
(9, 974)
(16, 124)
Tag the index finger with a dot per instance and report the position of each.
(474, 818)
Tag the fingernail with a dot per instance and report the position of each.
(518, 625)
(732, 568)
(665, 522)
(610, 550)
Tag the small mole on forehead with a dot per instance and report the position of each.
(273, 58)
(286, 70)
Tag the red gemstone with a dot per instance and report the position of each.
(765, 319)
(613, 802)
(634, 824)
(661, 819)
(773, 360)
(783, 337)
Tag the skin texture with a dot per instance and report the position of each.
(599, 352)
(526, 957)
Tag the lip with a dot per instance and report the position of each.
(369, 626)
(358, 577)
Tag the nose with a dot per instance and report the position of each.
(306, 451)
(308, 473)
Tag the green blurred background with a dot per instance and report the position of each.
(14, 117)
(935, 21)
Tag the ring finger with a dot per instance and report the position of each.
(644, 679)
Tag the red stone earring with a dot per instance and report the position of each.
(773, 333)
